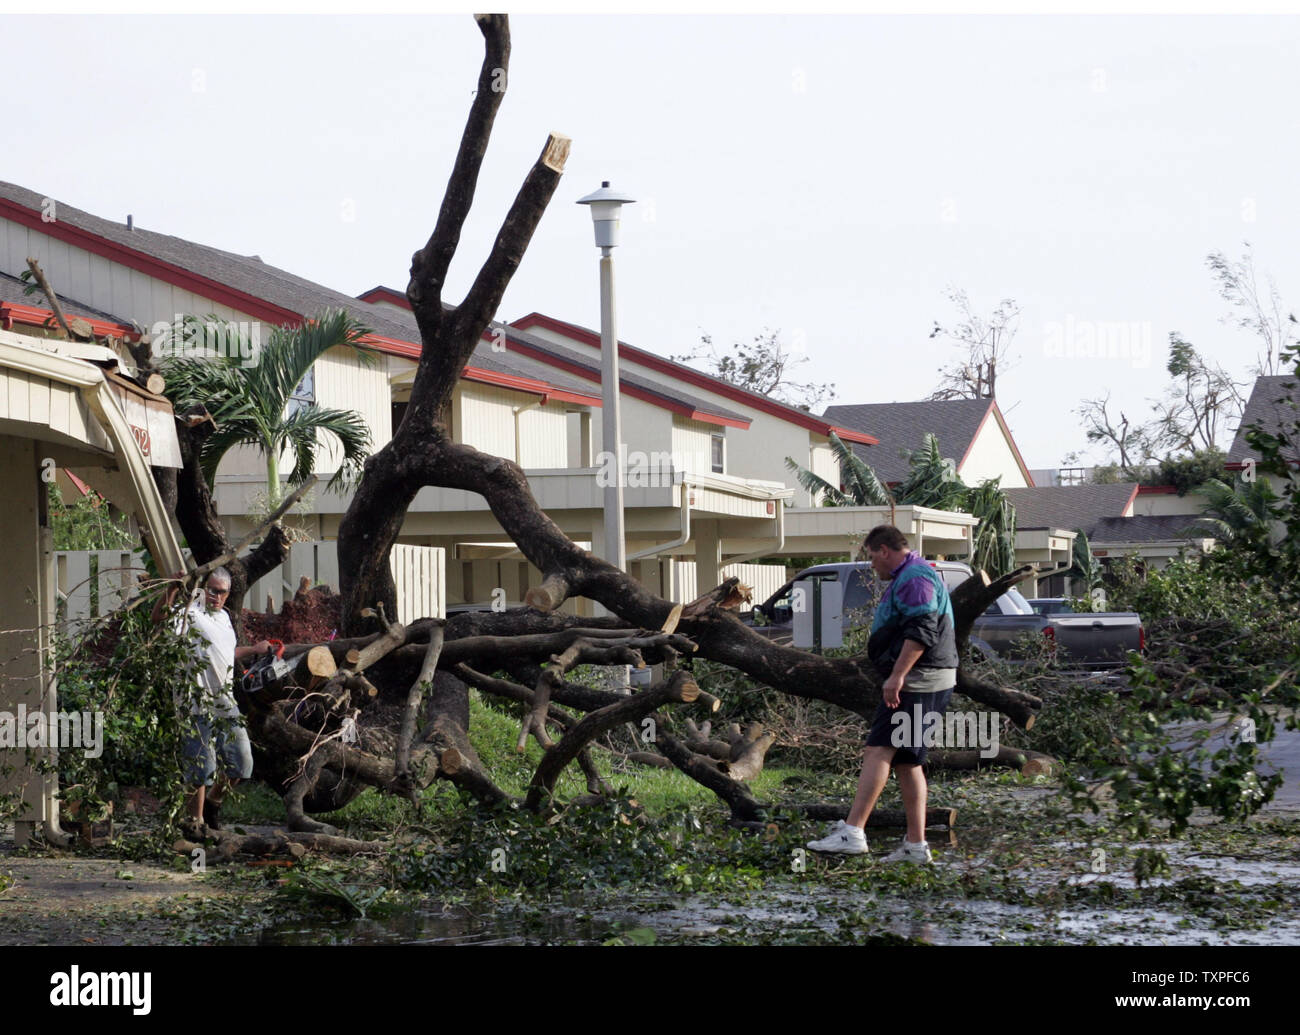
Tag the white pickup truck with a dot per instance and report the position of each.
(1096, 640)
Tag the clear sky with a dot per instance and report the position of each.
(825, 176)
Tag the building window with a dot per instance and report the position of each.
(719, 454)
(305, 393)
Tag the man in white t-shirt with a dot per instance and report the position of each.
(215, 728)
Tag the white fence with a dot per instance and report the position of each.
(764, 579)
(420, 573)
(92, 583)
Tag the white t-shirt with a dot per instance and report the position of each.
(214, 654)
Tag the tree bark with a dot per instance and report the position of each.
(681, 688)
(412, 458)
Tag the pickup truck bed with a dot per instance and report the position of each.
(1100, 640)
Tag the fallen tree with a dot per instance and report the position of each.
(311, 730)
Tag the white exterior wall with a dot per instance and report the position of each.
(28, 397)
(758, 452)
(487, 420)
(693, 445)
(483, 416)
(822, 463)
(1150, 505)
(100, 282)
(991, 455)
(344, 381)
(645, 427)
(543, 438)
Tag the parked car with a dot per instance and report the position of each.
(1093, 640)
(1051, 605)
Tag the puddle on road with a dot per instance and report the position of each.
(816, 912)
(813, 915)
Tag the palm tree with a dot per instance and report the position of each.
(259, 405)
(1236, 513)
(994, 548)
(932, 479)
(931, 482)
(864, 489)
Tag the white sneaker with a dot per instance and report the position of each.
(912, 853)
(842, 838)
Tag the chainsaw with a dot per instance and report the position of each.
(268, 669)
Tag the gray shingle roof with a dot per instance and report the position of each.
(1265, 407)
(901, 426)
(1096, 509)
(12, 288)
(250, 275)
(1069, 506)
(1145, 528)
(626, 372)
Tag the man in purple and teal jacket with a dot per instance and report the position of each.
(914, 648)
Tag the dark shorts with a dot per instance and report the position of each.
(907, 732)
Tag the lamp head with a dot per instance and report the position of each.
(605, 207)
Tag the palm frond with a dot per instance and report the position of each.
(994, 547)
(348, 428)
(1219, 529)
(1083, 563)
(863, 485)
(932, 480)
(816, 484)
(291, 351)
(246, 384)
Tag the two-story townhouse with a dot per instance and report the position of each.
(779, 431)
(537, 411)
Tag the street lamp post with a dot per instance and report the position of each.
(605, 205)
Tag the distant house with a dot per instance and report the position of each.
(972, 432)
(1111, 516)
(975, 435)
(1272, 406)
(1152, 523)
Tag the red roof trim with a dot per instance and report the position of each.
(634, 391)
(694, 377)
(1240, 465)
(850, 435)
(1132, 496)
(527, 384)
(385, 294)
(393, 346)
(33, 316)
(148, 265)
(533, 386)
(1157, 490)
